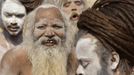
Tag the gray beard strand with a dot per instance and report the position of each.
(71, 32)
(48, 61)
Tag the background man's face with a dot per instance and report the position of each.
(49, 27)
(86, 50)
(13, 16)
(73, 9)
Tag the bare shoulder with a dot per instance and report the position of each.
(14, 62)
(14, 56)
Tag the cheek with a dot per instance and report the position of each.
(95, 64)
(5, 19)
(92, 69)
(61, 33)
(20, 22)
(37, 33)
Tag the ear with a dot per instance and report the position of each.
(115, 60)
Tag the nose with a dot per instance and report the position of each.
(74, 9)
(80, 70)
(49, 33)
(14, 23)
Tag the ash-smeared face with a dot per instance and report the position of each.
(49, 27)
(73, 8)
(13, 16)
(89, 61)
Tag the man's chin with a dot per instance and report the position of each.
(14, 33)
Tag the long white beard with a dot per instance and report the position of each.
(48, 61)
(71, 33)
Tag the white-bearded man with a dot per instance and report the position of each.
(43, 51)
(13, 14)
(72, 9)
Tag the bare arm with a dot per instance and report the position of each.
(8, 65)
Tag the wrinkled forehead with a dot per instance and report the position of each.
(12, 7)
(50, 13)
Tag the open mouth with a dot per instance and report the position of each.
(13, 28)
(49, 42)
(74, 17)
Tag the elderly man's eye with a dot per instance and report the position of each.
(57, 26)
(78, 3)
(67, 4)
(41, 27)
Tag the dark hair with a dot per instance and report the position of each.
(113, 33)
(31, 4)
(123, 11)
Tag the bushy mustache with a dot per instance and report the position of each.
(43, 40)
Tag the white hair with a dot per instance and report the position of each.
(30, 20)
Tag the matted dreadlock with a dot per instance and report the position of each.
(121, 10)
(114, 34)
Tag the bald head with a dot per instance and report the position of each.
(50, 13)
